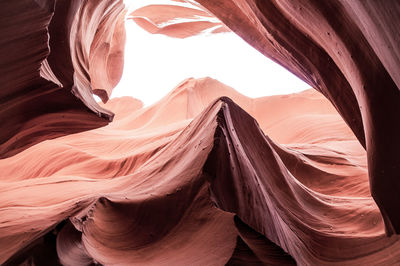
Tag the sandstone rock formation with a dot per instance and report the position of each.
(349, 51)
(166, 181)
(54, 55)
(175, 21)
(195, 179)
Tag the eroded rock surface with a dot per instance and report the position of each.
(54, 55)
(199, 179)
(349, 51)
(165, 183)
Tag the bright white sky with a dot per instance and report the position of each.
(155, 64)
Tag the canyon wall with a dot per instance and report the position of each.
(54, 55)
(347, 50)
(245, 186)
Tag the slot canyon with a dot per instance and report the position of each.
(205, 175)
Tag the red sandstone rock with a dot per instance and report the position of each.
(349, 51)
(344, 50)
(175, 21)
(54, 55)
(161, 185)
(146, 195)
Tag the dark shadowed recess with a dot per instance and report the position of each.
(40, 252)
(253, 248)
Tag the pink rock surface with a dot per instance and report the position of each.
(54, 55)
(175, 21)
(206, 176)
(160, 185)
(344, 50)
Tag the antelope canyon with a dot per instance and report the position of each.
(206, 175)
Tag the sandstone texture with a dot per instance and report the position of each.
(206, 176)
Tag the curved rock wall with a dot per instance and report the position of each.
(195, 180)
(348, 50)
(54, 55)
(309, 196)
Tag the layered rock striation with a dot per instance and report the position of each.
(199, 184)
(195, 179)
(54, 55)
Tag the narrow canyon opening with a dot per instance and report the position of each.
(154, 64)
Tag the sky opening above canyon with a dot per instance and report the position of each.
(155, 64)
